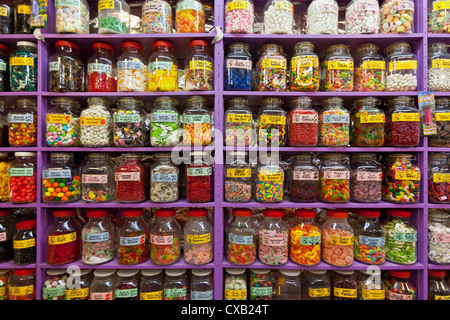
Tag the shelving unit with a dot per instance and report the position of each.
(217, 98)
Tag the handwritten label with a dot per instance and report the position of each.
(444, 116)
(413, 117)
(199, 118)
(305, 175)
(239, 117)
(195, 172)
(441, 63)
(373, 294)
(54, 292)
(161, 240)
(441, 5)
(368, 6)
(310, 241)
(100, 68)
(336, 175)
(372, 241)
(200, 65)
(54, 66)
(96, 237)
(160, 65)
(373, 118)
(442, 238)
(57, 174)
(127, 118)
(164, 177)
(3, 12)
(77, 293)
(238, 5)
(239, 64)
(61, 239)
(127, 176)
(126, 293)
(345, 293)
(94, 178)
(132, 241)
(274, 241)
(283, 5)
(190, 5)
(58, 118)
(21, 61)
(301, 62)
(67, 3)
(441, 177)
(134, 64)
(202, 295)
(23, 244)
(341, 241)
(436, 297)
(368, 176)
(239, 173)
(336, 118)
(20, 118)
(92, 121)
(105, 4)
(397, 296)
(238, 239)
(268, 119)
(276, 177)
(22, 9)
(235, 294)
(319, 292)
(273, 64)
(330, 8)
(198, 238)
(305, 118)
(101, 295)
(21, 291)
(407, 175)
(175, 293)
(168, 116)
(20, 172)
(405, 237)
(261, 291)
(157, 295)
(406, 5)
(403, 65)
(374, 65)
(340, 65)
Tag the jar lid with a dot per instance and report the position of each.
(242, 212)
(27, 224)
(164, 213)
(132, 44)
(132, 212)
(345, 272)
(27, 43)
(318, 271)
(24, 272)
(260, 271)
(291, 273)
(198, 43)
(198, 213)
(66, 44)
(305, 213)
(371, 272)
(104, 272)
(5, 212)
(162, 43)
(3, 154)
(151, 272)
(25, 154)
(127, 272)
(235, 271)
(3, 271)
(201, 272)
(4, 47)
(175, 272)
(273, 213)
(97, 213)
(103, 46)
(84, 272)
(400, 274)
(337, 213)
(60, 213)
(399, 213)
(55, 272)
(436, 273)
(369, 213)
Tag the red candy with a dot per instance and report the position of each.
(303, 124)
(23, 189)
(199, 183)
(100, 82)
(130, 179)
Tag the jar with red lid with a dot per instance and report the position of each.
(22, 284)
(273, 237)
(198, 67)
(7, 230)
(303, 123)
(305, 238)
(402, 123)
(131, 179)
(370, 241)
(22, 178)
(398, 285)
(64, 237)
(101, 69)
(241, 238)
(198, 238)
(66, 68)
(131, 68)
(98, 238)
(162, 68)
(165, 238)
(438, 287)
(24, 242)
(132, 244)
(337, 239)
(199, 178)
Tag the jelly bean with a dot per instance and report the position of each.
(269, 184)
(271, 69)
(401, 180)
(22, 134)
(61, 190)
(4, 181)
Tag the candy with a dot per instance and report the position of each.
(63, 130)
(271, 69)
(165, 128)
(4, 181)
(198, 73)
(239, 128)
(164, 248)
(401, 180)
(303, 179)
(403, 124)
(241, 238)
(198, 238)
(303, 126)
(97, 180)
(278, 17)
(157, 16)
(437, 233)
(237, 191)
(129, 253)
(132, 69)
(164, 178)
(304, 68)
(305, 244)
(397, 16)
(337, 249)
(438, 192)
(241, 253)
(54, 287)
(199, 183)
(128, 127)
(162, 68)
(438, 17)
(7, 21)
(66, 68)
(4, 65)
(398, 286)
(115, 19)
(131, 177)
(22, 129)
(401, 242)
(322, 17)
(334, 178)
(271, 128)
(335, 126)
(235, 287)
(101, 71)
(190, 16)
(22, 185)
(24, 242)
(97, 245)
(367, 125)
(371, 254)
(239, 16)
(338, 74)
(60, 190)
(96, 124)
(370, 75)
(362, 16)
(273, 247)
(343, 286)
(366, 186)
(72, 17)
(127, 286)
(62, 253)
(23, 66)
(238, 67)
(261, 284)
(269, 184)
(197, 129)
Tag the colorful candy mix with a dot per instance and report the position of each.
(164, 248)
(339, 75)
(130, 252)
(370, 76)
(337, 245)
(60, 190)
(272, 131)
(397, 16)
(334, 186)
(273, 246)
(335, 128)
(157, 16)
(439, 17)
(22, 130)
(401, 181)
(271, 71)
(239, 16)
(304, 73)
(269, 184)
(190, 17)
(368, 128)
(305, 244)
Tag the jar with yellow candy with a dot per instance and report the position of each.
(4, 180)
(190, 16)
(305, 238)
(162, 68)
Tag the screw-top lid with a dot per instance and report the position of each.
(201, 272)
(26, 43)
(104, 272)
(27, 224)
(318, 271)
(345, 272)
(369, 213)
(55, 272)
(273, 213)
(127, 272)
(242, 212)
(305, 213)
(67, 44)
(290, 273)
(97, 213)
(198, 43)
(175, 272)
(5, 212)
(436, 273)
(198, 213)
(129, 213)
(151, 272)
(164, 213)
(103, 46)
(24, 272)
(399, 213)
(337, 213)
(4, 47)
(400, 274)
(260, 271)
(25, 154)
(84, 272)
(132, 44)
(60, 213)
(235, 271)
(162, 43)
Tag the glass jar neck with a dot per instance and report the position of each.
(163, 49)
(364, 158)
(130, 104)
(66, 49)
(165, 103)
(304, 159)
(98, 158)
(132, 159)
(131, 50)
(272, 48)
(198, 49)
(303, 49)
(103, 51)
(60, 159)
(401, 48)
(302, 103)
(442, 104)
(239, 49)
(163, 159)
(438, 48)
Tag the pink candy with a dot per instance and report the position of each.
(199, 254)
(273, 247)
(239, 17)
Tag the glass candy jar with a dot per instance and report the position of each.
(113, 17)
(54, 287)
(23, 178)
(165, 123)
(438, 235)
(304, 68)
(101, 69)
(322, 17)
(162, 68)
(151, 284)
(131, 179)
(402, 68)
(157, 16)
(338, 70)
(97, 179)
(132, 238)
(129, 123)
(238, 66)
(239, 126)
(199, 178)
(127, 285)
(344, 285)
(4, 63)
(4, 126)
(272, 123)
(22, 123)
(334, 178)
(238, 178)
(438, 16)
(442, 114)
(175, 284)
(64, 237)
(7, 231)
(438, 67)
(165, 238)
(438, 287)
(197, 122)
(334, 124)
(66, 68)
(398, 286)
(24, 242)
(164, 179)
(72, 16)
(370, 69)
(262, 285)
(362, 17)
(23, 67)
(303, 179)
(370, 243)
(22, 16)
(316, 285)
(198, 67)
(269, 180)
(367, 123)
(198, 236)
(61, 180)
(80, 292)
(438, 178)
(365, 178)
(190, 16)
(289, 287)
(22, 284)
(102, 286)
(397, 16)
(370, 285)
(96, 124)
(131, 68)
(239, 16)
(303, 123)
(241, 238)
(273, 237)
(4, 178)
(235, 287)
(402, 123)
(305, 238)
(7, 17)
(278, 17)
(401, 179)
(271, 69)
(63, 123)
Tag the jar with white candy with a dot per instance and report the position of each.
(438, 67)
(402, 68)
(131, 68)
(278, 17)
(165, 127)
(438, 236)
(362, 16)
(96, 124)
(72, 16)
(235, 284)
(322, 17)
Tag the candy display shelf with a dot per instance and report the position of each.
(217, 99)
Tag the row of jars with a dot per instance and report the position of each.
(364, 124)
(96, 242)
(100, 180)
(331, 178)
(114, 17)
(130, 72)
(337, 72)
(305, 242)
(16, 17)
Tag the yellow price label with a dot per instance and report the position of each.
(299, 62)
(407, 175)
(23, 244)
(441, 297)
(346, 293)
(268, 119)
(22, 9)
(341, 241)
(238, 5)
(414, 117)
(444, 116)
(157, 295)
(58, 118)
(93, 121)
(340, 65)
(105, 4)
(373, 118)
(441, 177)
(403, 65)
(273, 64)
(441, 63)
(236, 294)
(77, 293)
(21, 291)
(3, 12)
(239, 173)
(373, 294)
(239, 118)
(320, 292)
(198, 238)
(377, 65)
(21, 61)
(200, 64)
(277, 177)
(61, 239)
(441, 5)
(283, 5)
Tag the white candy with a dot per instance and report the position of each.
(362, 16)
(438, 251)
(72, 18)
(439, 79)
(96, 135)
(322, 17)
(401, 82)
(279, 21)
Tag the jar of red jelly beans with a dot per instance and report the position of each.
(239, 126)
(273, 237)
(337, 70)
(402, 123)
(22, 178)
(22, 284)
(64, 237)
(401, 179)
(367, 123)
(271, 123)
(303, 123)
(241, 238)
(303, 179)
(370, 69)
(337, 239)
(199, 178)
(366, 177)
(198, 238)
(271, 69)
(165, 238)
(334, 124)
(131, 179)
(198, 122)
(133, 244)
(101, 69)
(22, 123)
(438, 178)
(334, 177)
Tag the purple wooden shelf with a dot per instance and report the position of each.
(128, 37)
(325, 149)
(352, 205)
(115, 204)
(438, 266)
(20, 149)
(18, 94)
(353, 94)
(326, 37)
(14, 206)
(11, 265)
(126, 94)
